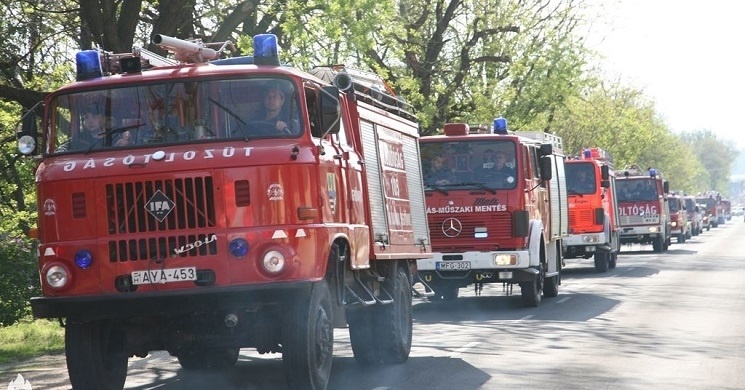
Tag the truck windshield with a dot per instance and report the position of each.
(171, 113)
(485, 164)
(637, 190)
(674, 205)
(580, 178)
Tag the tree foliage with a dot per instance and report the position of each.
(453, 60)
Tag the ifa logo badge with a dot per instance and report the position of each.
(159, 205)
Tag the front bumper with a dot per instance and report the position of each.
(148, 304)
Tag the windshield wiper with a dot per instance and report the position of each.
(483, 186)
(436, 188)
(109, 133)
(244, 125)
(573, 192)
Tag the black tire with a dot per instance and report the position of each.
(96, 355)
(658, 244)
(551, 287)
(308, 339)
(602, 261)
(530, 292)
(613, 260)
(198, 358)
(382, 334)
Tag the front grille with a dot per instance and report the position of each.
(582, 217)
(498, 226)
(162, 247)
(193, 205)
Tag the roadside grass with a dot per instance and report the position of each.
(30, 338)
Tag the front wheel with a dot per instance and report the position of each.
(308, 339)
(602, 261)
(96, 355)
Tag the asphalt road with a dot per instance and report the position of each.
(669, 321)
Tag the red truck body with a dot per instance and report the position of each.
(211, 231)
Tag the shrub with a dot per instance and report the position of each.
(20, 279)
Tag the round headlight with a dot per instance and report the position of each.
(238, 247)
(83, 258)
(26, 144)
(274, 261)
(57, 276)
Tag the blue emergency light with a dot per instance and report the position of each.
(266, 51)
(88, 64)
(500, 126)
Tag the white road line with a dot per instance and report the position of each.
(527, 317)
(464, 348)
(562, 300)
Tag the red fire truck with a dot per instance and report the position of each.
(642, 207)
(497, 210)
(195, 224)
(593, 210)
(710, 207)
(680, 226)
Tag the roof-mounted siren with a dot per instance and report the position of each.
(652, 172)
(343, 81)
(186, 51)
(88, 64)
(500, 126)
(266, 50)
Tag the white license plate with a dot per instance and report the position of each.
(452, 265)
(167, 275)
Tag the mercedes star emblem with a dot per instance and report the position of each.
(452, 227)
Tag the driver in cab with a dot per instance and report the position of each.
(272, 113)
(495, 168)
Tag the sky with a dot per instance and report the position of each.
(688, 57)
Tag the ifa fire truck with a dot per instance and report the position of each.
(194, 223)
(679, 223)
(497, 210)
(593, 210)
(642, 207)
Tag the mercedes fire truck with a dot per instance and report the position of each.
(191, 223)
(594, 229)
(501, 214)
(642, 207)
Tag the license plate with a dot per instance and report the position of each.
(167, 275)
(453, 265)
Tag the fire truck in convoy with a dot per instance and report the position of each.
(593, 209)
(709, 203)
(193, 225)
(642, 207)
(695, 215)
(680, 226)
(491, 221)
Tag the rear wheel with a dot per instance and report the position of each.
(96, 355)
(613, 258)
(308, 339)
(383, 333)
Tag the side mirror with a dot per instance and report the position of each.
(605, 183)
(330, 114)
(665, 186)
(546, 149)
(604, 173)
(546, 167)
(27, 135)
